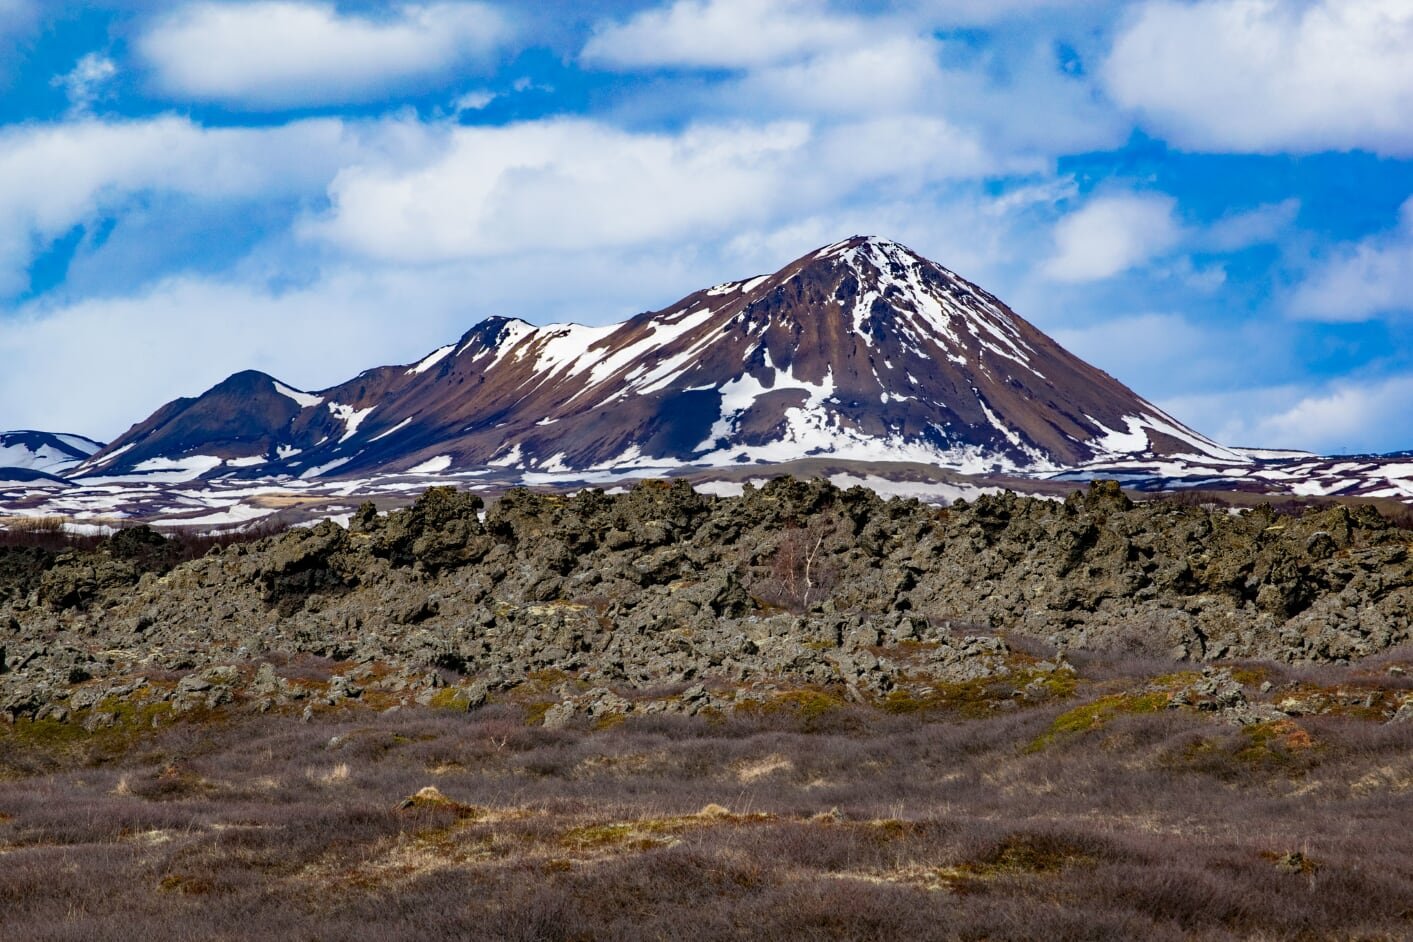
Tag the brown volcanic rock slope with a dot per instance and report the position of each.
(862, 349)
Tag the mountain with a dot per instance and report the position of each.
(860, 350)
(42, 453)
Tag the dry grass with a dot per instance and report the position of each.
(285, 501)
(49, 524)
(1130, 822)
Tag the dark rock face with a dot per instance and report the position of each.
(796, 579)
(862, 349)
(441, 530)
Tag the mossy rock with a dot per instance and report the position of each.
(1097, 714)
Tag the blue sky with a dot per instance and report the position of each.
(1210, 199)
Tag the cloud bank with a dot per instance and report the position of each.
(288, 53)
(1270, 75)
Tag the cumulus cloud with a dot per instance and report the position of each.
(1112, 234)
(1347, 416)
(809, 59)
(725, 34)
(1372, 277)
(1343, 417)
(1117, 232)
(1269, 75)
(183, 335)
(889, 75)
(54, 177)
(575, 184)
(289, 53)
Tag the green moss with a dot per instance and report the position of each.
(1273, 743)
(1098, 713)
(980, 697)
(130, 720)
(1060, 685)
(449, 698)
(535, 712)
(1175, 681)
(44, 733)
(637, 835)
(1250, 676)
(1281, 747)
(809, 705)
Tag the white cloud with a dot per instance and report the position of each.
(1270, 75)
(1252, 227)
(1111, 234)
(808, 59)
(183, 335)
(725, 34)
(1372, 277)
(282, 53)
(474, 100)
(888, 76)
(1019, 98)
(85, 83)
(54, 177)
(1114, 233)
(1343, 417)
(573, 184)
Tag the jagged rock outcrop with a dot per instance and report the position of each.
(795, 579)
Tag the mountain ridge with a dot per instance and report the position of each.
(43, 453)
(861, 349)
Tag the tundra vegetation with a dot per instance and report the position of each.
(800, 713)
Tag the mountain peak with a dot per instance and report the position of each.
(860, 350)
(879, 251)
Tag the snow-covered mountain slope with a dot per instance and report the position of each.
(46, 452)
(860, 350)
(1274, 472)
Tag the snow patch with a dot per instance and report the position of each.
(323, 469)
(351, 418)
(396, 428)
(511, 458)
(432, 466)
(432, 359)
(178, 469)
(303, 399)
